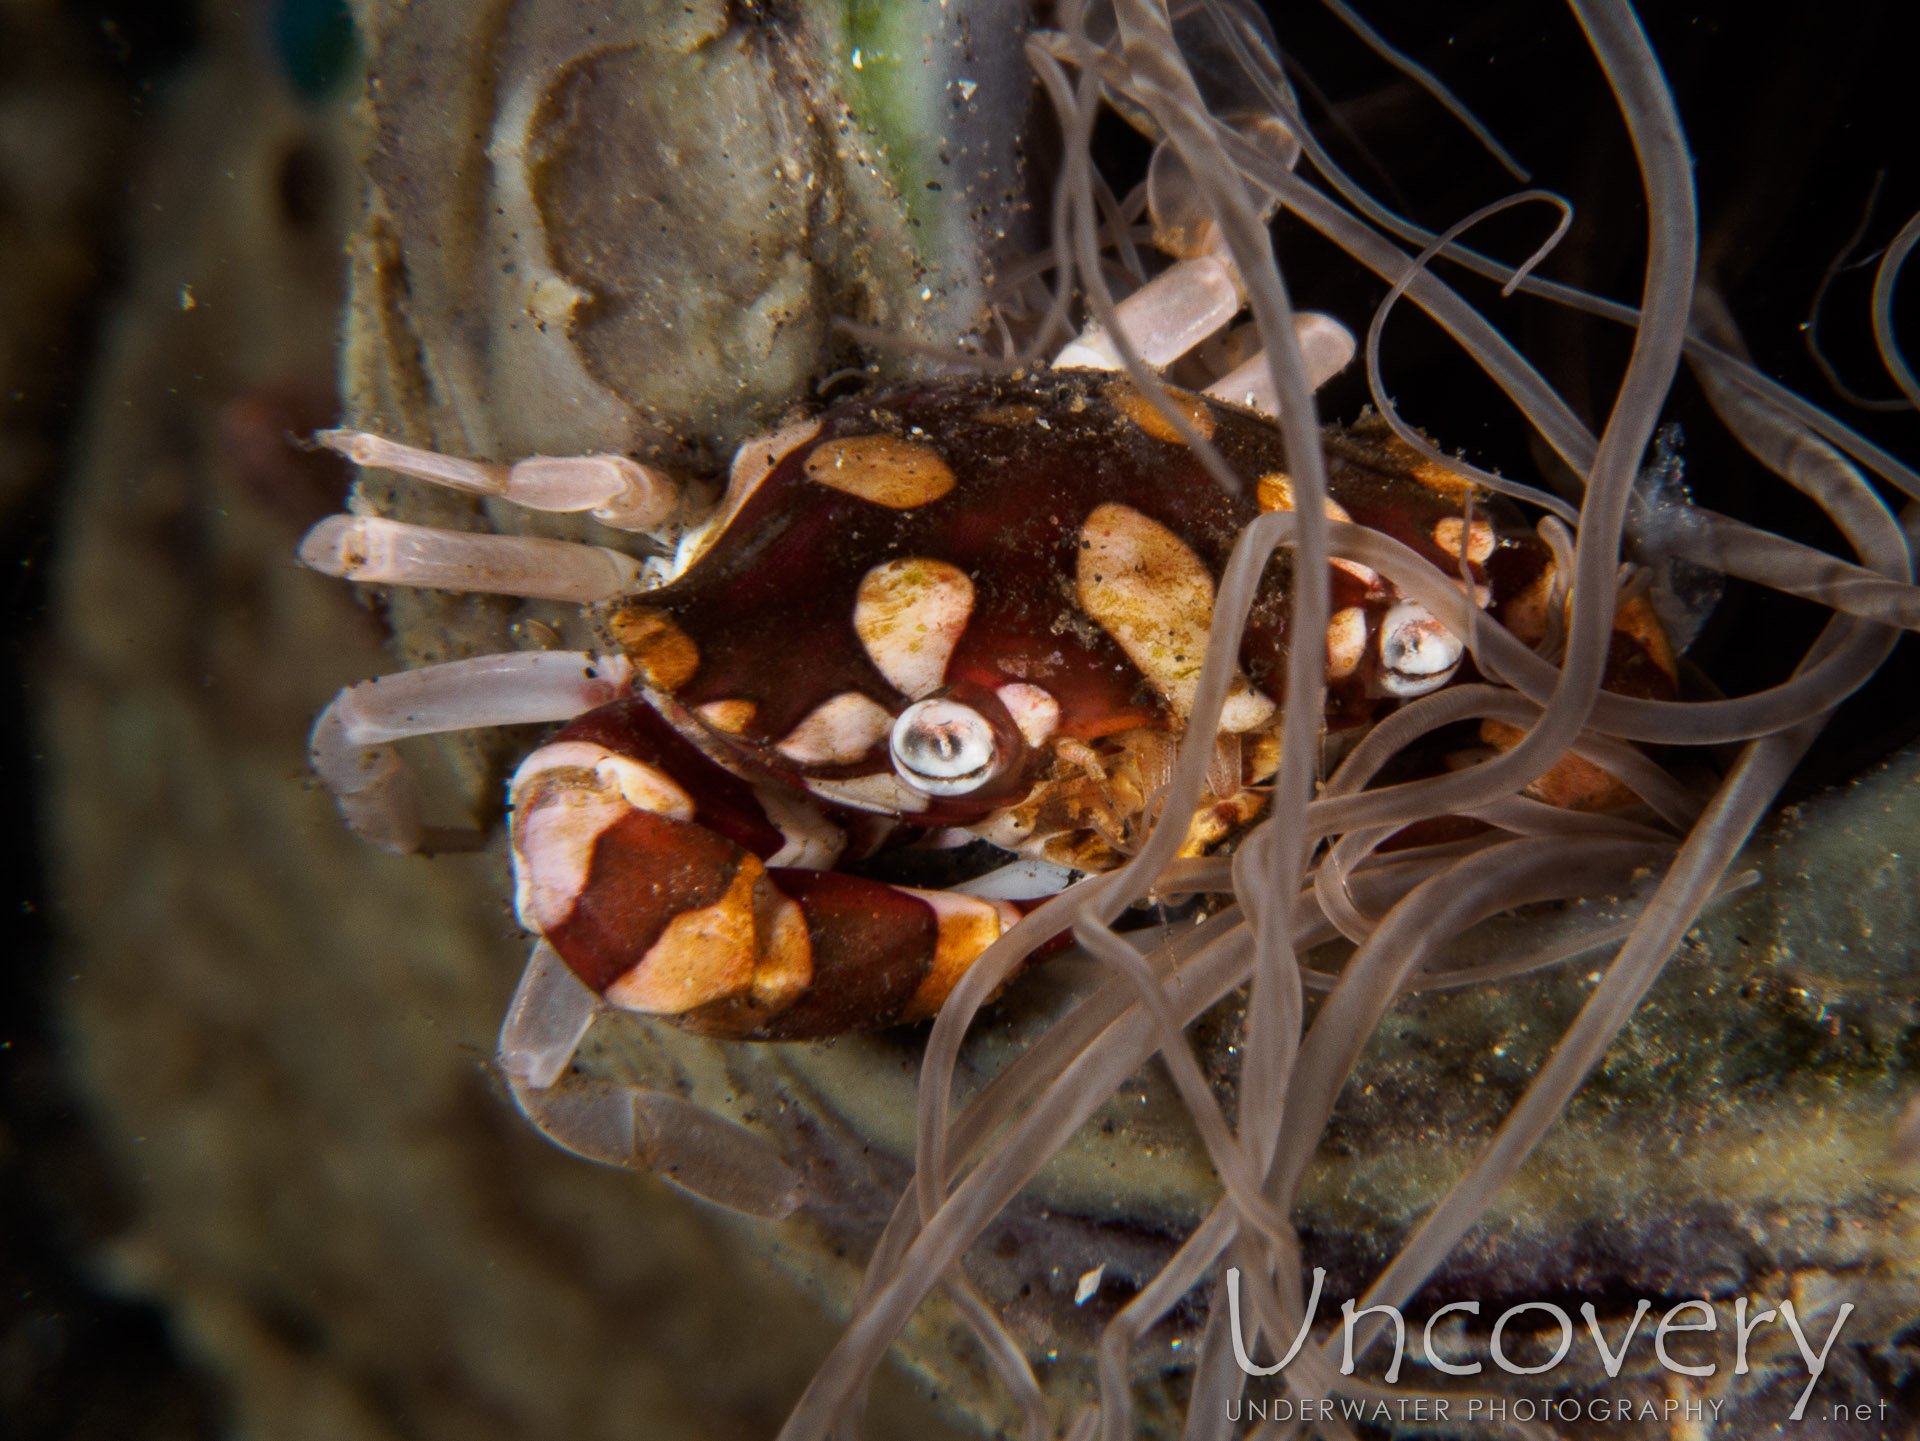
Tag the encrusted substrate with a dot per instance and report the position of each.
(1733, 1141)
(592, 229)
(287, 1032)
(284, 1036)
(1738, 1127)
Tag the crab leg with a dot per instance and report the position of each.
(628, 1126)
(617, 491)
(1326, 346)
(378, 551)
(1197, 295)
(1165, 321)
(548, 1015)
(1165, 318)
(351, 746)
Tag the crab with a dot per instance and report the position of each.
(953, 612)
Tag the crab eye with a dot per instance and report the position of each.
(1417, 653)
(944, 748)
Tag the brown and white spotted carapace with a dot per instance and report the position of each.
(976, 605)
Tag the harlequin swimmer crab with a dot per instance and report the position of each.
(953, 609)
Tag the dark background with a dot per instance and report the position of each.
(1810, 103)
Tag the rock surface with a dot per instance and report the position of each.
(284, 1035)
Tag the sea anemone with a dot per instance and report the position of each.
(1314, 869)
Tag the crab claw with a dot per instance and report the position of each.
(668, 886)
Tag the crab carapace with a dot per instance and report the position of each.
(973, 606)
